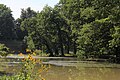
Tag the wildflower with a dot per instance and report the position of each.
(44, 66)
(34, 53)
(28, 50)
(29, 65)
(40, 70)
(43, 78)
(21, 54)
(30, 57)
(23, 59)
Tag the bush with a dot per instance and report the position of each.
(81, 54)
(3, 50)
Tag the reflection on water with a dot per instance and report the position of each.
(71, 69)
(73, 73)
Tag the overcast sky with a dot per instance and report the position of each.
(37, 5)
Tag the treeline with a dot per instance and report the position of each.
(84, 27)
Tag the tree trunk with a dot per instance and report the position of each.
(75, 48)
(117, 54)
(61, 42)
(50, 50)
(68, 45)
(62, 49)
(74, 45)
(68, 48)
(48, 45)
(56, 50)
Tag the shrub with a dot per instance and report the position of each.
(81, 54)
(3, 50)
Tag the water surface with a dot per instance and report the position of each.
(69, 69)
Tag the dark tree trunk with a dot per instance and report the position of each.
(75, 48)
(74, 45)
(68, 48)
(50, 50)
(68, 45)
(62, 49)
(56, 50)
(60, 42)
(117, 54)
(48, 45)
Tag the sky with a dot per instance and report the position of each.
(17, 5)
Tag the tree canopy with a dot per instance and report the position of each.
(7, 29)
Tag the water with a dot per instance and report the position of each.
(72, 73)
(70, 69)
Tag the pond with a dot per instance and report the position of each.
(69, 69)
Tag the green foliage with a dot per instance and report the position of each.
(30, 43)
(27, 13)
(87, 12)
(90, 27)
(3, 50)
(6, 23)
(115, 42)
(24, 23)
(28, 25)
(28, 70)
(98, 23)
(81, 54)
(38, 52)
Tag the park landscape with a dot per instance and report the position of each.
(74, 40)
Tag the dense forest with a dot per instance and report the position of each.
(84, 27)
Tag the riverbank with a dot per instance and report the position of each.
(60, 61)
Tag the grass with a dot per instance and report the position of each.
(70, 55)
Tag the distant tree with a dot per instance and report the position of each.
(25, 14)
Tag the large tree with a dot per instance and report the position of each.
(26, 14)
(100, 19)
(70, 11)
(7, 30)
(51, 23)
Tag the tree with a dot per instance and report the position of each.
(99, 20)
(7, 27)
(51, 23)
(115, 42)
(29, 25)
(25, 15)
(70, 11)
